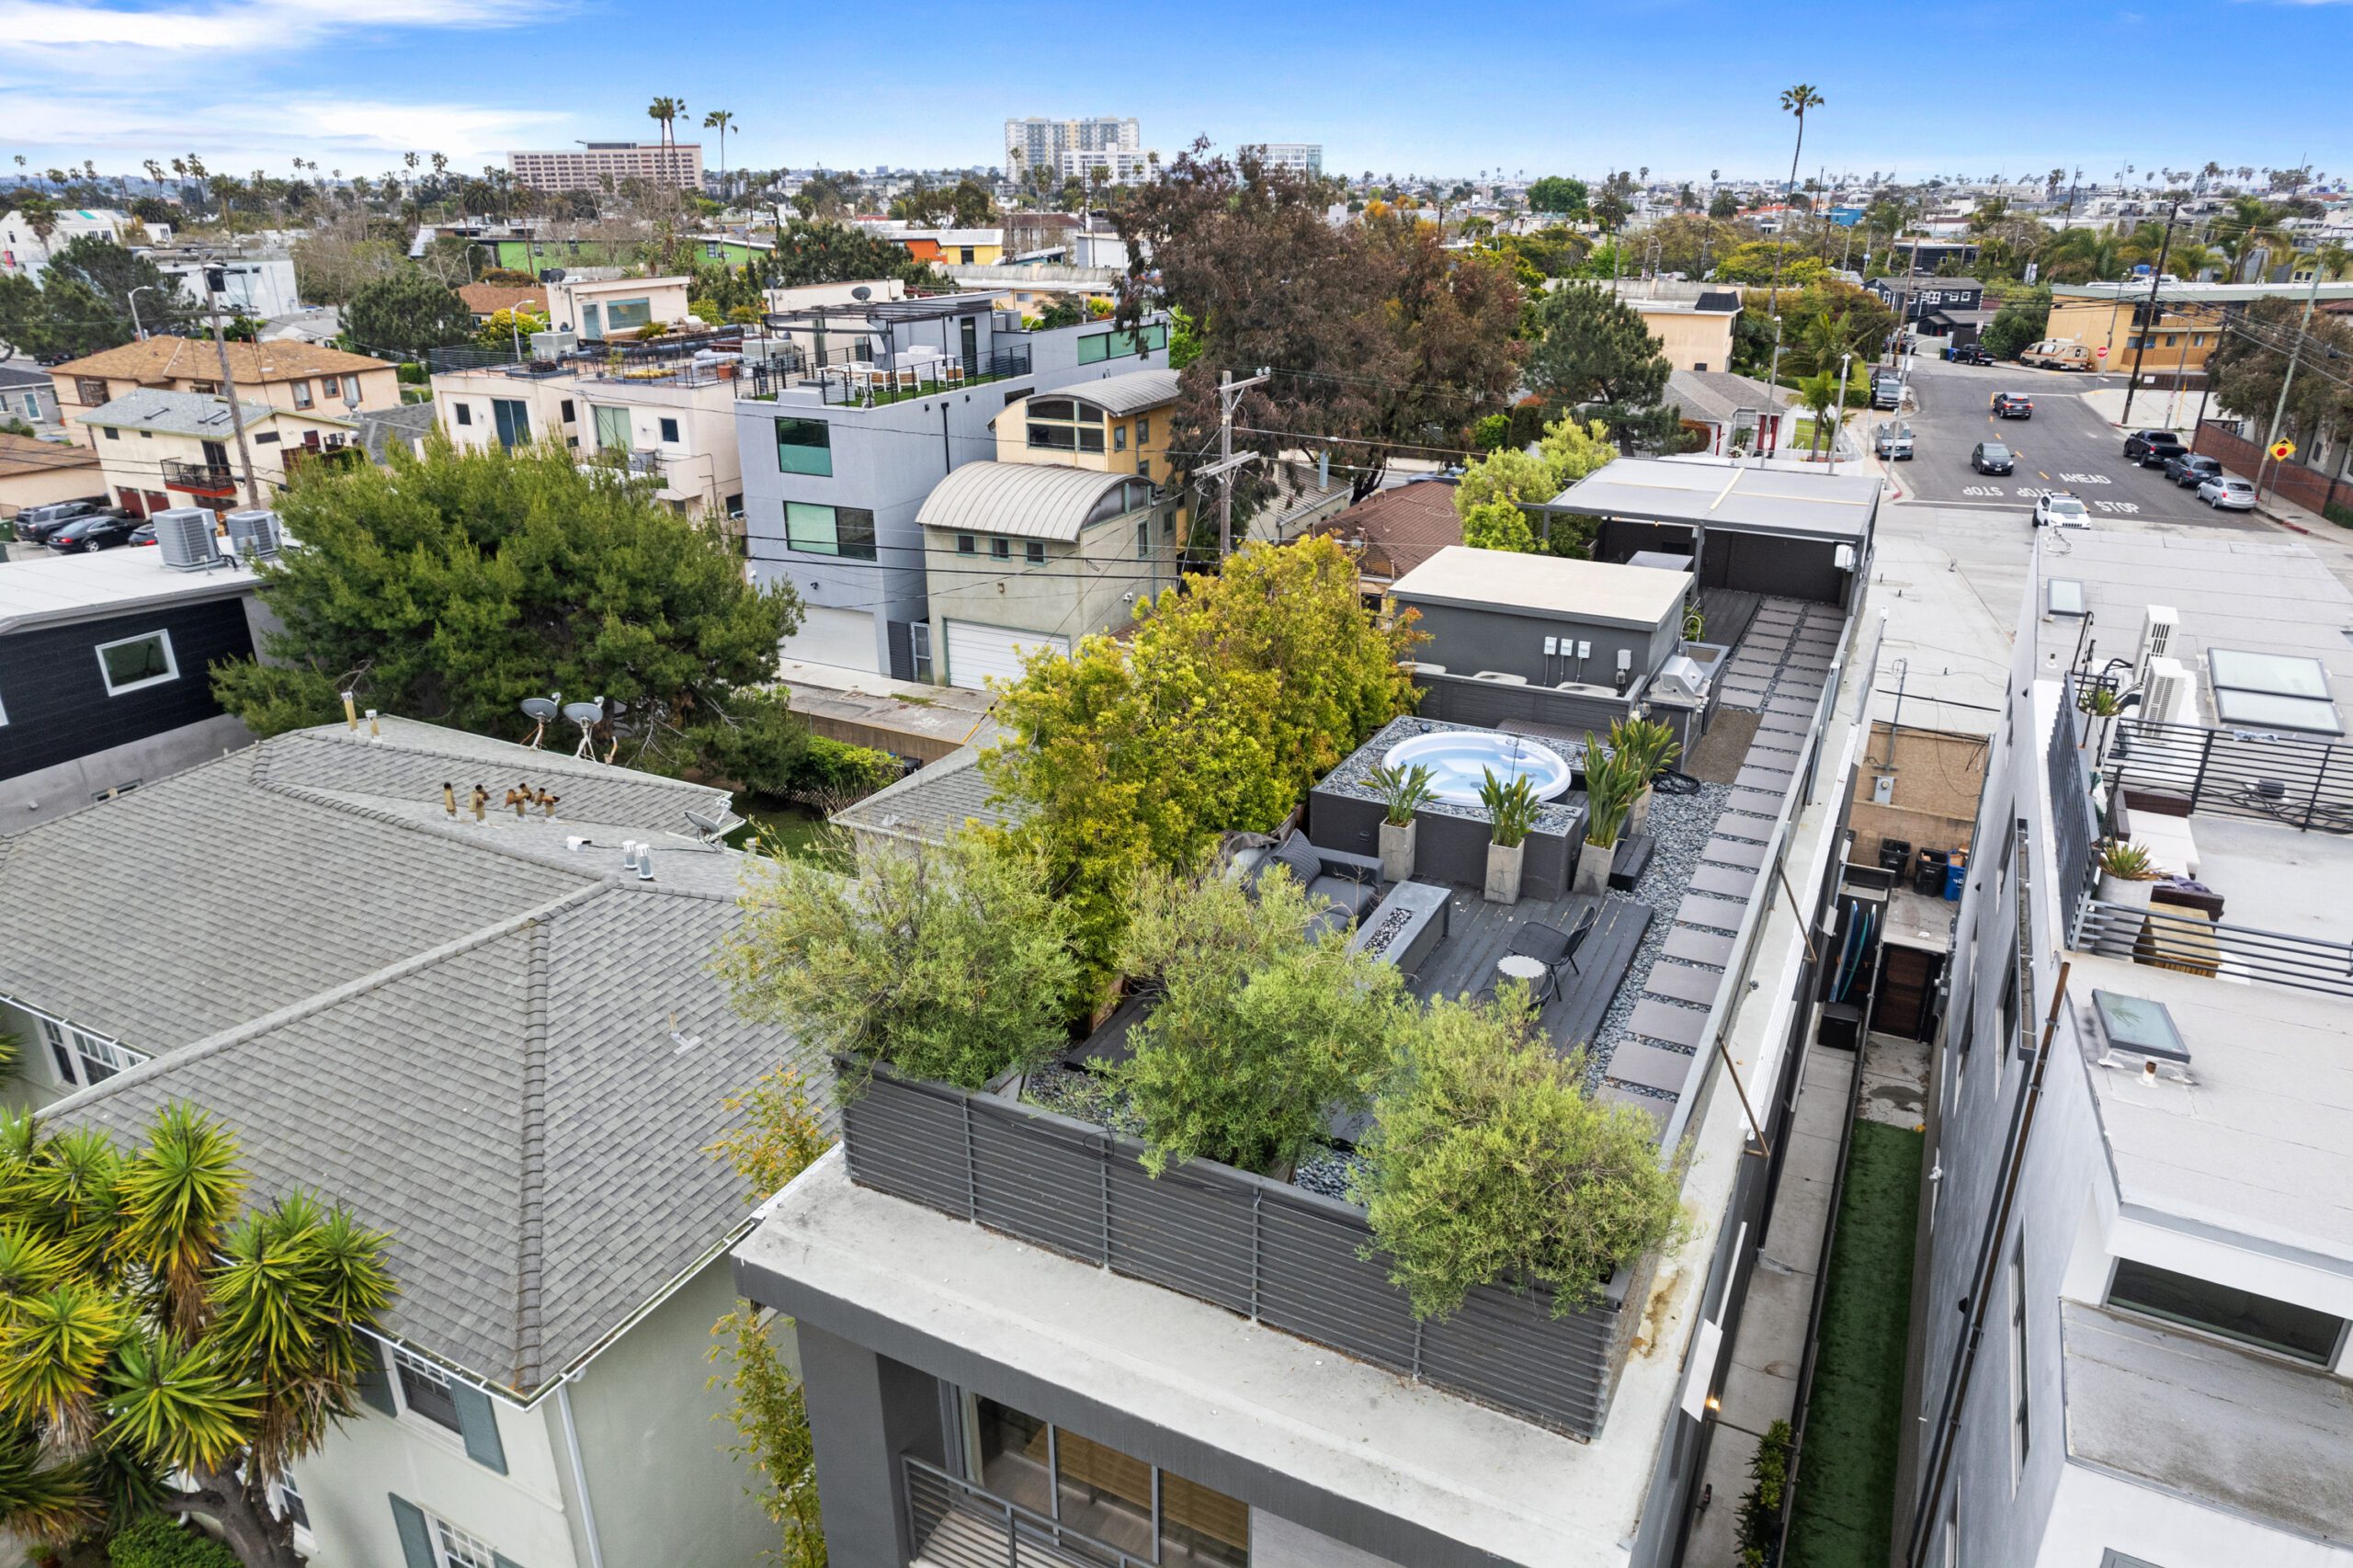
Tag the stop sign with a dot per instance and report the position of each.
(2101, 352)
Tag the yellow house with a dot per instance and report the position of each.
(1116, 425)
(1693, 322)
(162, 448)
(2178, 342)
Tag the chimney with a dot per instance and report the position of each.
(449, 800)
(375, 732)
(350, 712)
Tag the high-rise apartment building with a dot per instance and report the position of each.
(1299, 157)
(586, 166)
(1039, 142)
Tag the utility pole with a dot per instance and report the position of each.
(1773, 385)
(2279, 409)
(1227, 464)
(214, 278)
(2141, 343)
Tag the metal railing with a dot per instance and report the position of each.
(1278, 1254)
(2188, 940)
(205, 478)
(2075, 817)
(865, 385)
(954, 1523)
(2304, 781)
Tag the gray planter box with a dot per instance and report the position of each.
(1280, 1255)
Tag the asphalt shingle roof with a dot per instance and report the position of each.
(174, 414)
(930, 803)
(463, 1032)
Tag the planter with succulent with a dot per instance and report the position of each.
(2127, 876)
(1403, 792)
(1651, 745)
(1611, 783)
(1511, 811)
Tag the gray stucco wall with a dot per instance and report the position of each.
(1467, 641)
(864, 1411)
(653, 1445)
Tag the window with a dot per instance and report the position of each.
(2020, 1428)
(301, 395)
(565, 412)
(113, 433)
(846, 531)
(1143, 538)
(1000, 549)
(2226, 1311)
(332, 386)
(1118, 437)
(137, 662)
(424, 1389)
(967, 545)
(2065, 596)
(512, 416)
(805, 446)
(465, 414)
(1035, 552)
(627, 315)
(290, 1499)
(1144, 432)
(669, 429)
(612, 428)
(1097, 1490)
(204, 387)
(2272, 690)
(83, 1059)
(1058, 425)
(456, 1549)
(90, 390)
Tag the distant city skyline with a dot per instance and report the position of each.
(1537, 88)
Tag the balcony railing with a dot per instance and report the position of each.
(201, 479)
(2186, 940)
(2301, 781)
(1280, 1255)
(853, 382)
(955, 1524)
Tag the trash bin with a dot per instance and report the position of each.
(1930, 873)
(1956, 874)
(1894, 854)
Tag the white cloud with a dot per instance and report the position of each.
(79, 27)
(359, 137)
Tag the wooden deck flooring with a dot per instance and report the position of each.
(1481, 933)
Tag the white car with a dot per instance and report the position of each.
(2229, 492)
(2061, 511)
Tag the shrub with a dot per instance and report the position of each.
(154, 1542)
(1487, 1162)
(2339, 512)
(1262, 1028)
(1760, 1527)
(946, 961)
(830, 774)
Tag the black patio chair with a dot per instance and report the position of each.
(1554, 948)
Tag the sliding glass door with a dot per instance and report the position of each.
(1096, 1490)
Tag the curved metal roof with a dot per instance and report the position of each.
(1131, 391)
(1024, 500)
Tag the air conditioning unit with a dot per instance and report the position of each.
(2158, 625)
(2168, 693)
(185, 539)
(252, 534)
(547, 347)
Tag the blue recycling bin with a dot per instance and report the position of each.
(1955, 875)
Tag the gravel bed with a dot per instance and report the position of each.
(1680, 826)
(1328, 1171)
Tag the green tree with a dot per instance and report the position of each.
(1797, 100)
(1558, 195)
(2019, 323)
(334, 263)
(1487, 1161)
(453, 585)
(1266, 1024)
(162, 1347)
(1493, 492)
(1818, 395)
(1595, 353)
(1723, 206)
(948, 961)
(405, 314)
(1755, 261)
(822, 251)
(1229, 702)
(781, 1135)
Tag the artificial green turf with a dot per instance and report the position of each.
(1844, 1501)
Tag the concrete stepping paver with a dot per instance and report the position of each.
(1665, 1021)
(1698, 946)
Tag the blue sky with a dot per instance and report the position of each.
(1999, 85)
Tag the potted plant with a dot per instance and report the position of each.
(1649, 745)
(1403, 790)
(2127, 876)
(1511, 811)
(1611, 782)
(1694, 623)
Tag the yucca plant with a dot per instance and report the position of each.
(151, 1327)
(1403, 790)
(1612, 780)
(2128, 862)
(1649, 745)
(1511, 808)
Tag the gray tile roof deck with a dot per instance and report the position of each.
(928, 804)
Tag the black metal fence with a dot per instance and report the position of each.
(2188, 940)
(2075, 819)
(2302, 780)
(955, 1524)
(1280, 1255)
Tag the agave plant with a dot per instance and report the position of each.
(2128, 862)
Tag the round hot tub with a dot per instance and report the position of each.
(1459, 760)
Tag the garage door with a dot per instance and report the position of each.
(975, 651)
(843, 637)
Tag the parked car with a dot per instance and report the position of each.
(1887, 393)
(95, 531)
(2061, 511)
(2013, 405)
(2057, 354)
(2149, 449)
(2228, 492)
(143, 534)
(35, 524)
(2188, 470)
(1991, 457)
(1893, 442)
(1969, 354)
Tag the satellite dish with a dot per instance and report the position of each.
(861, 292)
(588, 715)
(540, 711)
(713, 828)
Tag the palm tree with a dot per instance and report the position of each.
(1818, 396)
(1796, 101)
(2332, 261)
(164, 1350)
(721, 121)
